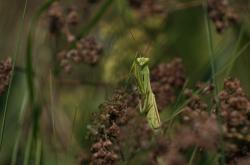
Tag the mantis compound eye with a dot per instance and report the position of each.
(142, 61)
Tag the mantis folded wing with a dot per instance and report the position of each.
(149, 106)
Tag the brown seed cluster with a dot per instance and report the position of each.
(164, 152)
(235, 112)
(114, 115)
(87, 51)
(197, 129)
(195, 100)
(242, 161)
(202, 127)
(221, 14)
(5, 72)
(140, 135)
(103, 153)
(61, 20)
(147, 7)
(166, 79)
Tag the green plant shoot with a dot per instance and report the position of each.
(148, 105)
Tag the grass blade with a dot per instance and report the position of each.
(214, 82)
(29, 49)
(28, 148)
(12, 74)
(193, 156)
(16, 146)
(15, 150)
(229, 65)
(38, 151)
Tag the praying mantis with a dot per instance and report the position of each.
(149, 106)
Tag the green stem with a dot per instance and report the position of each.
(211, 51)
(38, 151)
(29, 56)
(36, 109)
(193, 156)
(17, 142)
(15, 150)
(212, 60)
(28, 148)
(29, 69)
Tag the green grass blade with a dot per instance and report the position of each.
(28, 148)
(17, 141)
(38, 151)
(180, 95)
(29, 49)
(15, 150)
(29, 69)
(41, 10)
(193, 156)
(12, 74)
(230, 63)
(211, 49)
(214, 82)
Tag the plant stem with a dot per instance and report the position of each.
(38, 151)
(214, 81)
(28, 148)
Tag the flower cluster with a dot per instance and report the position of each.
(235, 113)
(199, 129)
(166, 79)
(60, 21)
(113, 116)
(5, 72)
(221, 14)
(87, 51)
(147, 7)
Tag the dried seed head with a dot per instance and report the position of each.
(61, 20)
(114, 115)
(221, 14)
(205, 88)
(147, 7)
(201, 129)
(243, 161)
(166, 79)
(56, 17)
(87, 51)
(234, 108)
(5, 72)
(72, 17)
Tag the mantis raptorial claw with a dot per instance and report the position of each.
(149, 107)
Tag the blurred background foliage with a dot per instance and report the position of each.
(123, 32)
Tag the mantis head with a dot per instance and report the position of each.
(142, 61)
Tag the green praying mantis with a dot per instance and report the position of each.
(148, 105)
